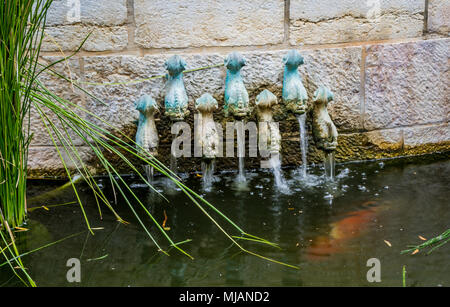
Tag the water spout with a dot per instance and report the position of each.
(269, 132)
(236, 103)
(208, 178)
(146, 135)
(324, 130)
(236, 95)
(207, 136)
(295, 99)
(269, 136)
(294, 93)
(176, 99)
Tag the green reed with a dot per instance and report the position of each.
(20, 31)
(18, 25)
(431, 244)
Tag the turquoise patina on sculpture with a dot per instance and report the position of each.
(236, 96)
(147, 135)
(324, 130)
(176, 99)
(269, 133)
(294, 93)
(207, 137)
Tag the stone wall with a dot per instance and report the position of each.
(387, 61)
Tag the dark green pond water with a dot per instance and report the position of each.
(329, 230)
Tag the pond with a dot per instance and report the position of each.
(328, 229)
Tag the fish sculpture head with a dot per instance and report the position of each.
(293, 59)
(175, 65)
(323, 95)
(235, 61)
(206, 103)
(266, 99)
(146, 105)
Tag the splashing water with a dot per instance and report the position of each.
(149, 170)
(208, 174)
(303, 142)
(280, 182)
(329, 165)
(171, 187)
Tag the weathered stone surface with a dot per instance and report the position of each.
(337, 21)
(317, 10)
(340, 71)
(63, 89)
(177, 23)
(117, 99)
(439, 16)
(69, 38)
(92, 12)
(45, 161)
(430, 134)
(116, 105)
(406, 84)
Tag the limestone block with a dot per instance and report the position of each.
(406, 84)
(91, 12)
(338, 21)
(386, 139)
(45, 160)
(119, 98)
(439, 16)
(116, 101)
(69, 38)
(429, 134)
(179, 23)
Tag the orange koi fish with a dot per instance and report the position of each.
(350, 227)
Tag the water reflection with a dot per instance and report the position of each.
(343, 236)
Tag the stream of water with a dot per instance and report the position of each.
(329, 165)
(241, 155)
(208, 174)
(303, 142)
(149, 170)
(280, 183)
